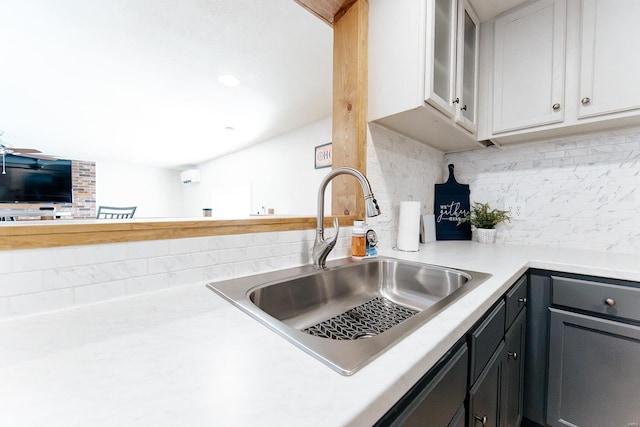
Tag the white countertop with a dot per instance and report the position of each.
(185, 356)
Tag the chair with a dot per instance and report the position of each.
(109, 212)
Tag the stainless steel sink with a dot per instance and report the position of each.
(351, 312)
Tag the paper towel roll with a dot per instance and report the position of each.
(409, 226)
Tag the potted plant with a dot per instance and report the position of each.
(485, 219)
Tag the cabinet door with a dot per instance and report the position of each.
(440, 67)
(436, 399)
(529, 51)
(484, 397)
(513, 384)
(593, 371)
(609, 65)
(467, 67)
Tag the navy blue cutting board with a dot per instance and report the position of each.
(451, 204)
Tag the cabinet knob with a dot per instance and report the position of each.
(514, 355)
(464, 107)
(483, 420)
(456, 101)
(585, 101)
(522, 301)
(556, 107)
(610, 302)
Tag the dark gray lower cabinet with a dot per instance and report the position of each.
(496, 398)
(537, 345)
(479, 382)
(594, 371)
(496, 395)
(513, 385)
(437, 400)
(484, 396)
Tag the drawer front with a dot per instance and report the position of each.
(516, 300)
(597, 297)
(486, 338)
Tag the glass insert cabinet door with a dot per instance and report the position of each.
(443, 51)
(467, 69)
(440, 69)
(451, 60)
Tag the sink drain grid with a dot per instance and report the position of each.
(366, 320)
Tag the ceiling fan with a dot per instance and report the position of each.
(23, 152)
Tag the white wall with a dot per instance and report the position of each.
(277, 174)
(579, 192)
(155, 191)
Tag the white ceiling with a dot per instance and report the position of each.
(136, 80)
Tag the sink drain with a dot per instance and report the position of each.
(363, 335)
(364, 321)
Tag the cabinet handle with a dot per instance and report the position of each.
(556, 107)
(514, 355)
(456, 101)
(586, 100)
(522, 301)
(610, 302)
(483, 420)
(464, 107)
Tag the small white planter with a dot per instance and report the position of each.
(486, 235)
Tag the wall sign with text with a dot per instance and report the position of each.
(323, 156)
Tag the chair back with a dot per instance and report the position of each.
(110, 212)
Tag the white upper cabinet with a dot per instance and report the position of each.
(558, 67)
(423, 70)
(610, 63)
(528, 66)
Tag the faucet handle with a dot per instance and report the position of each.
(322, 246)
(336, 229)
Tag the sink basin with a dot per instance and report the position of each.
(351, 312)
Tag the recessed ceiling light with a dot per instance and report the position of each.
(229, 80)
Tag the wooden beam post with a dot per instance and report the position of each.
(350, 40)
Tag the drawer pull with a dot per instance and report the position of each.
(610, 302)
(483, 420)
(522, 301)
(514, 355)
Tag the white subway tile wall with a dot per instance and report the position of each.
(578, 192)
(39, 280)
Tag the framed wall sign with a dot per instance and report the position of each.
(323, 156)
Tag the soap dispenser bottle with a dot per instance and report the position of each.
(358, 240)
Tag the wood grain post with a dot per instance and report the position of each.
(350, 38)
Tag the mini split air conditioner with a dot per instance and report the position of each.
(189, 176)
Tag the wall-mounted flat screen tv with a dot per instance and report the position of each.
(35, 180)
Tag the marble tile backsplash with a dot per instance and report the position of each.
(578, 192)
(399, 169)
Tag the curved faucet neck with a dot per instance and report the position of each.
(321, 248)
(364, 183)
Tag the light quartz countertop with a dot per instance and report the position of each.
(186, 357)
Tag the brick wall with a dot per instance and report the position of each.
(84, 189)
